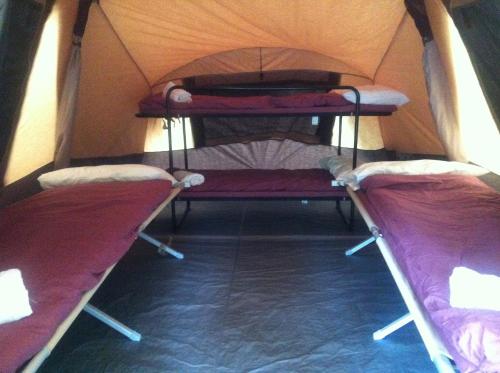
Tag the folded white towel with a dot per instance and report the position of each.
(189, 178)
(470, 289)
(14, 300)
(177, 95)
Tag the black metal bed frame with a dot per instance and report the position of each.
(168, 118)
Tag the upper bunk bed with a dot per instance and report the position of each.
(270, 93)
(307, 104)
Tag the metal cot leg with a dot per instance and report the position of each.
(356, 132)
(184, 143)
(392, 327)
(185, 214)
(170, 150)
(162, 248)
(360, 246)
(442, 364)
(339, 148)
(113, 323)
(375, 234)
(173, 216)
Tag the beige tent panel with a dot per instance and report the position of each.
(163, 36)
(110, 88)
(34, 140)
(290, 59)
(404, 136)
(250, 59)
(412, 128)
(243, 60)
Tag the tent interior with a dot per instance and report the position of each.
(265, 285)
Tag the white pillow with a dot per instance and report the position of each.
(188, 178)
(337, 165)
(103, 174)
(375, 95)
(178, 94)
(14, 300)
(417, 167)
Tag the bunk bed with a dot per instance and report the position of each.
(65, 241)
(238, 101)
(426, 226)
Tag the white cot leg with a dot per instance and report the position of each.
(162, 248)
(392, 327)
(360, 246)
(113, 323)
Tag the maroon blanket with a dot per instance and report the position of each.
(305, 103)
(63, 240)
(434, 224)
(252, 183)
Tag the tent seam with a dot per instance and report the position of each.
(391, 43)
(108, 21)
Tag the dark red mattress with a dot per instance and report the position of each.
(434, 224)
(305, 103)
(252, 183)
(63, 240)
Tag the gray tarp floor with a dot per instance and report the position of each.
(264, 286)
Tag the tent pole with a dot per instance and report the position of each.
(356, 128)
(185, 143)
(170, 152)
(339, 148)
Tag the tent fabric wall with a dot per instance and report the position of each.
(441, 104)
(253, 59)
(475, 124)
(142, 44)
(67, 109)
(354, 32)
(111, 85)
(33, 143)
(411, 129)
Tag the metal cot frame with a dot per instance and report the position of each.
(435, 348)
(168, 120)
(37, 360)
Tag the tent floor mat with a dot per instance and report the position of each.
(261, 218)
(243, 303)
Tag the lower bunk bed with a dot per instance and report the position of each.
(65, 241)
(264, 184)
(268, 184)
(425, 227)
